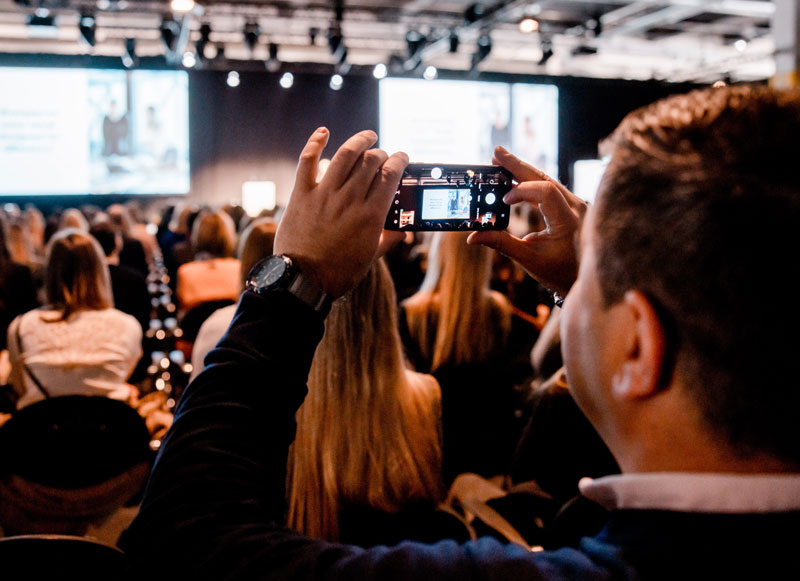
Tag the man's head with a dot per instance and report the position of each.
(698, 213)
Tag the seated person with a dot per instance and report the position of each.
(365, 466)
(78, 343)
(696, 400)
(256, 243)
(213, 275)
(477, 371)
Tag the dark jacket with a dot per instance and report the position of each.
(215, 498)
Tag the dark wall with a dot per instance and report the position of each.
(256, 130)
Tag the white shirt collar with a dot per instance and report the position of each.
(696, 492)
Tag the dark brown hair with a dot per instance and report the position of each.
(699, 209)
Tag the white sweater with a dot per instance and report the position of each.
(90, 353)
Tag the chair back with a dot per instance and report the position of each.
(28, 557)
(68, 462)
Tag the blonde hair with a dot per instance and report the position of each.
(455, 318)
(368, 431)
(214, 233)
(256, 243)
(76, 275)
(73, 218)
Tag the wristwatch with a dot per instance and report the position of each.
(278, 272)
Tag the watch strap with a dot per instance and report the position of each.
(307, 291)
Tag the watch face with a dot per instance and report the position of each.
(268, 272)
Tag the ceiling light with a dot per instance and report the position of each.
(380, 71)
(740, 45)
(273, 64)
(336, 82)
(182, 5)
(189, 60)
(287, 80)
(547, 51)
(528, 25)
(87, 26)
(233, 79)
(454, 42)
(170, 30)
(202, 42)
(129, 58)
(415, 41)
(430, 73)
(251, 33)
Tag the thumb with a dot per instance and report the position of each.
(499, 240)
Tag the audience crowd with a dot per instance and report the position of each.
(445, 413)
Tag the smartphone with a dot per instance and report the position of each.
(442, 197)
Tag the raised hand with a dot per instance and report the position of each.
(332, 229)
(549, 256)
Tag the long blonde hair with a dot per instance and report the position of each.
(455, 318)
(368, 431)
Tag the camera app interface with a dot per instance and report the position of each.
(444, 204)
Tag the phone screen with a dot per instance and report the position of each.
(450, 197)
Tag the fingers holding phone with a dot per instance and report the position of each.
(549, 255)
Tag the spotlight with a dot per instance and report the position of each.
(547, 51)
(169, 33)
(87, 25)
(287, 80)
(251, 33)
(343, 66)
(430, 73)
(273, 64)
(528, 25)
(189, 60)
(42, 24)
(129, 58)
(740, 45)
(380, 71)
(454, 42)
(336, 82)
(233, 79)
(474, 13)
(483, 49)
(182, 6)
(415, 41)
(335, 41)
(202, 42)
(312, 35)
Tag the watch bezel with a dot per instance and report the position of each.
(282, 282)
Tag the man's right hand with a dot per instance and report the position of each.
(332, 229)
(549, 256)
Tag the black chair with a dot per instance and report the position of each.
(67, 462)
(27, 557)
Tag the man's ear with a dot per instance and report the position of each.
(640, 373)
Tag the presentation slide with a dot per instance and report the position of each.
(445, 204)
(92, 131)
(445, 121)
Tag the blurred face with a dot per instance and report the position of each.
(588, 336)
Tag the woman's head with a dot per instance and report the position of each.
(73, 218)
(76, 273)
(213, 233)
(454, 300)
(367, 433)
(256, 243)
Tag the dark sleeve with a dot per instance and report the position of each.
(215, 498)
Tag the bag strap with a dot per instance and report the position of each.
(25, 365)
